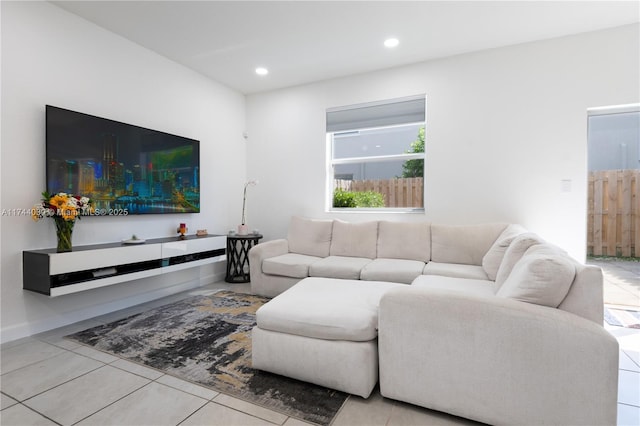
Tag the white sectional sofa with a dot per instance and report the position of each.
(488, 322)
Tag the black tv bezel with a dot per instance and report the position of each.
(194, 142)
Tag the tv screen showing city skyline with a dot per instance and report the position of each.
(124, 169)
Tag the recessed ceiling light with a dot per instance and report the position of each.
(391, 42)
(262, 71)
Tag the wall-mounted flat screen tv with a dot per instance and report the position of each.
(124, 169)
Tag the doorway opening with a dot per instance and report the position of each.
(613, 206)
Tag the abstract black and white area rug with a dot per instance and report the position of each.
(207, 340)
(621, 317)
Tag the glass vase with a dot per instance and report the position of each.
(64, 231)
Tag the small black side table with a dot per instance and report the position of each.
(238, 257)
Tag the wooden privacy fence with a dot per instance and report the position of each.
(397, 192)
(613, 223)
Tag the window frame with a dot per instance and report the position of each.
(331, 163)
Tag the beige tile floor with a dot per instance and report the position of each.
(621, 281)
(47, 380)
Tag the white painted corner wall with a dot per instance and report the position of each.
(505, 128)
(50, 56)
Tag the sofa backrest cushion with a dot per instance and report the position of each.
(311, 237)
(404, 240)
(354, 239)
(463, 244)
(514, 253)
(542, 276)
(492, 260)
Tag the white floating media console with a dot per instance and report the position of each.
(87, 267)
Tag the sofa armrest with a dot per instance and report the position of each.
(262, 251)
(272, 248)
(496, 360)
(262, 284)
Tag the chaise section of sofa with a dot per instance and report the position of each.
(528, 348)
(323, 331)
(496, 360)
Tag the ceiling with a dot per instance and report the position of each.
(305, 41)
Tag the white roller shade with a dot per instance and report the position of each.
(376, 114)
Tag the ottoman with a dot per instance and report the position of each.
(323, 331)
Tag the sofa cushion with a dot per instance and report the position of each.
(546, 248)
(492, 260)
(289, 265)
(542, 277)
(309, 236)
(392, 270)
(404, 240)
(455, 270)
(326, 309)
(344, 267)
(465, 285)
(463, 244)
(354, 239)
(514, 253)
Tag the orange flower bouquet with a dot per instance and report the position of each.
(64, 209)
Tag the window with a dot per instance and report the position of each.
(375, 155)
(614, 137)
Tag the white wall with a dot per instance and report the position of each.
(52, 57)
(505, 127)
